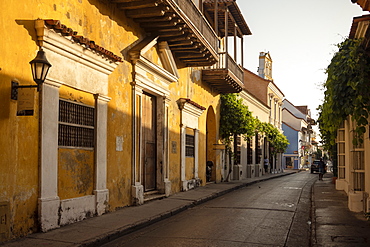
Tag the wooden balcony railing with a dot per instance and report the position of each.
(227, 62)
(200, 22)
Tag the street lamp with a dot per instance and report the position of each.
(40, 67)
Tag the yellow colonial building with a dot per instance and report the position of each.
(129, 110)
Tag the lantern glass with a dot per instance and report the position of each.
(40, 67)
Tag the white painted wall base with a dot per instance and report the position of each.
(138, 194)
(251, 171)
(76, 209)
(341, 184)
(167, 188)
(258, 170)
(191, 184)
(237, 172)
(355, 203)
(101, 201)
(48, 213)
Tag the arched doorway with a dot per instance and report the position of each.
(211, 139)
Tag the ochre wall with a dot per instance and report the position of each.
(19, 152)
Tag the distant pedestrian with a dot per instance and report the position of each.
(266, 163)
(321, 166)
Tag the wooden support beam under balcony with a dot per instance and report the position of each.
(190, 55)
(180, 38)
(157, 25)
(182, 43)
(147, 12)
(167, 17)
(138, 4)
(174, 31)
(170, 34)
(182, 48)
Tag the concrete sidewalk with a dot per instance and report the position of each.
(333, 223)
(98, 230)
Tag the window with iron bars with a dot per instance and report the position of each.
(249, 151)
(238, 150)
(189, 146)
(76, 124)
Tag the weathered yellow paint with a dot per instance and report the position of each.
(76, 96)
(75, 173)
(75, 165)
(109, 28)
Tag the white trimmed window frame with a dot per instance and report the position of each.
(190, 119)
(85, 70)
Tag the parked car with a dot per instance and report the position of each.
(315, 166)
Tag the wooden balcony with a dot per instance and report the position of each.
(225, 76)
(180, 23)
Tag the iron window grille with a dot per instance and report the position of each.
(238, 149)
(76, 124)
(189, 146)
(249, 152)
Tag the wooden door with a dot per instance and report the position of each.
(149, 142)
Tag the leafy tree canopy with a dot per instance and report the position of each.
(347, 92)
(236, 119)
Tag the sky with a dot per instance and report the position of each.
(301, 37)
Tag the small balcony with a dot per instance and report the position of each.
(225, 76)
(180, 23)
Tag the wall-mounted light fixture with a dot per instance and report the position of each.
(40, 67)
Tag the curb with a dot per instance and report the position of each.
(108, 237)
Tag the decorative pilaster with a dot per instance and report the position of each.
(196, 153)
(183, 163)
(49, 201)
(101, 192)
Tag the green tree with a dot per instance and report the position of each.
(277, 140)
(236, 119)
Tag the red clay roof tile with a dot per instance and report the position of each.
(66, 31)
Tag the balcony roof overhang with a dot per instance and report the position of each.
(222, 80)
(360, 29)
(365, 4)
(180, 23)
(235, 17)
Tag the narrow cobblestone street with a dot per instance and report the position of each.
(270, 213)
